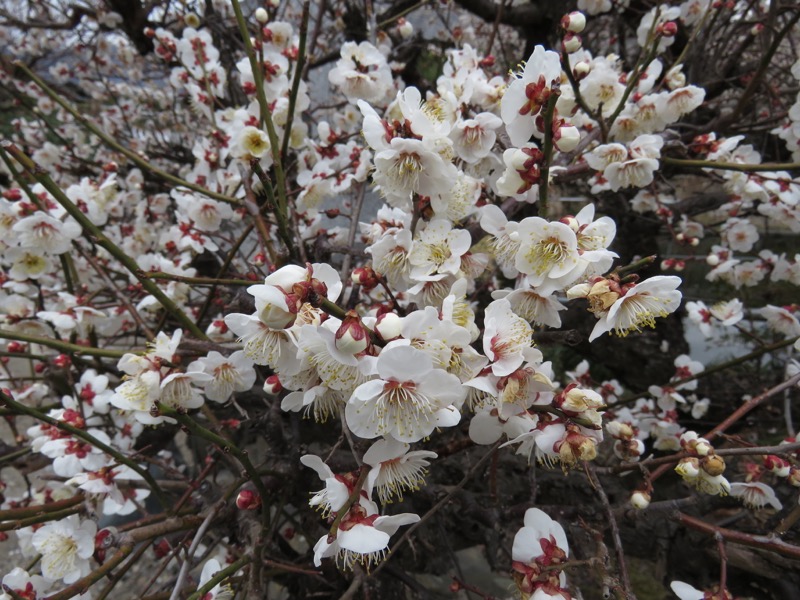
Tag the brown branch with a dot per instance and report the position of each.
(771, 543)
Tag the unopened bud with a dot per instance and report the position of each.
(248, 500)
(703, 448)
(571, 43)
(579, 291)
(405, 28)
(713, 465)
(777, 465)
(272, 385)
(389, 326)
(581, 69)
(640, 500)
(574, 21)
(260, 259)
(668, 29)
(712, 260)
(262, 16)
(365, 277)
(15, 347)
(161, 548)
(62, 361)
(567, 138)
(352, 337)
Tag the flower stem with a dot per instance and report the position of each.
(63, 346)
(547, 150)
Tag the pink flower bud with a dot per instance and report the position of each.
(248, 500)
(259, 259)
(668, 29)
(574, 21)
(272, 386)
(571, 43)
(352, 337)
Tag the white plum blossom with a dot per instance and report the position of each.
(438, 249)
(408, 400)
(755, 494)
(234, 373)
(506, 337)
(362, 72)
(474, 138)
(23, 585)
(528, 94)
(547, 251)
(46, 234)
(640, 306)
(66, 546)
(395, 469)
(540, 543)
(363, 538)
(407, 166)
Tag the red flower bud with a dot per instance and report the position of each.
(272, 386)
(161, 548)
(365, 277)
(15, 347)
(62, 361)
(248, 500)
(668, 29)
